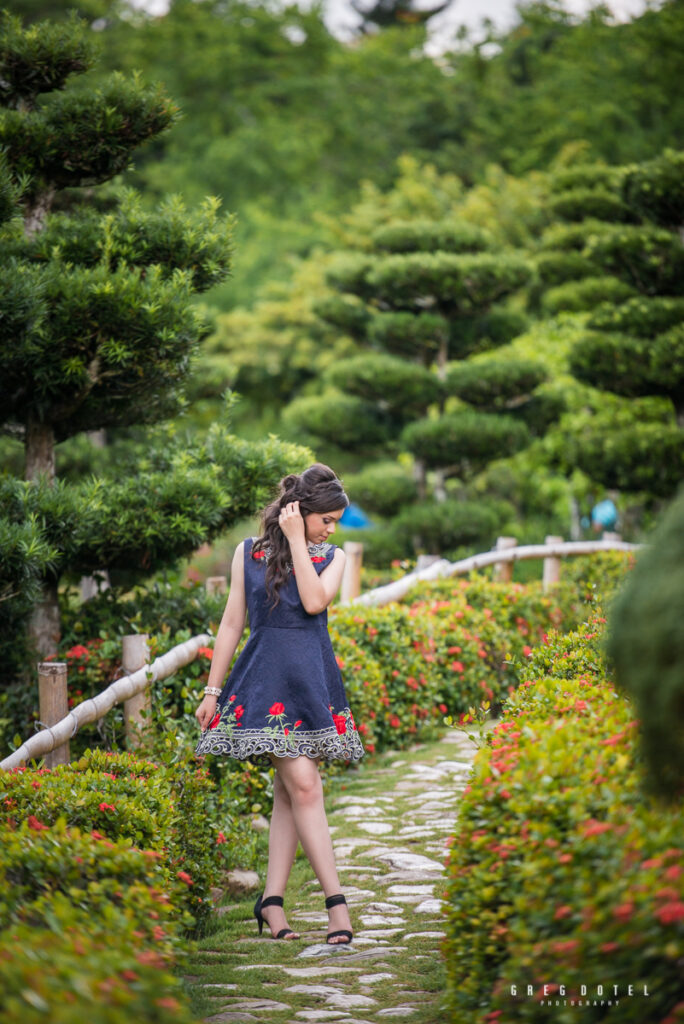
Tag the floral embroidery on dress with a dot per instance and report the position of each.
(317, 552)
(281, 738)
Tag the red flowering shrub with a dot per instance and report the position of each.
(561, 869)
(124, 797)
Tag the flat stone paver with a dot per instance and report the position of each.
(392, 874)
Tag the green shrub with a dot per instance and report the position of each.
(645, 316)
(383, 487)
(648, 258)
(556, 268)
(577, 296)
(496, 327)
(647, 649)
(431, 236)
(344, 312)
(579, 203)
(343, 420)
(407, 334)
(561, 873)
(82, 969)
(493, 383)
(655, 190)
(168, 809)
(400, 386)
(446, 526)
(586, 176)
(465, 440)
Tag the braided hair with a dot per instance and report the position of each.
(317, 489)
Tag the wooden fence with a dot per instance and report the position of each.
(60, 725)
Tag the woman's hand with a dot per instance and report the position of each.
(291, 522)
(206, 711)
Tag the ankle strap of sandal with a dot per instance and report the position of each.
(333, 901)
(272, 901)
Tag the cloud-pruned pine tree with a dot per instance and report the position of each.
(616, 253)
(98, 329)
(420, 301)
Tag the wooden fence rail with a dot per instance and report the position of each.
(499, 556)
(131, 689)
(59, 733)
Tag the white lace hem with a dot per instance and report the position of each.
(257, 744)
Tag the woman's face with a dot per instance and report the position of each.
(318, 526)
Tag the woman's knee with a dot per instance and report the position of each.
(302, 782)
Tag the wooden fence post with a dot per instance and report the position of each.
(53, 702)
(503, 571)
(351, 580)
(135, 655)
(216, 585)
(552, 565)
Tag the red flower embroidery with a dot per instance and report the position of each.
(239, 711)
(276, 709)
(318, 558)
(340, 724)
(298, 723)
(258, 554)
(215, 720)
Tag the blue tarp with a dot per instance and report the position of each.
(354, 518)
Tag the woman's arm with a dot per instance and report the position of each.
(316, 592)
(230, 630)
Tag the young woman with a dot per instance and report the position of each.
(284, 700)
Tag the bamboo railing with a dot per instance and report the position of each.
(57, 735)
(503, 555)
(131, 688)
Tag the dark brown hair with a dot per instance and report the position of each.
(317, 489)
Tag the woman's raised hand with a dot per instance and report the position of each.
(291, 521)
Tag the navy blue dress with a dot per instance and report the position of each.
(284, 694)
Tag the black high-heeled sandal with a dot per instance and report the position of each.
(271, 901)
(334, 901)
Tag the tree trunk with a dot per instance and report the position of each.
(420, 476)
(44, 624)
(35, 214)
(40, 451)
(439, 485)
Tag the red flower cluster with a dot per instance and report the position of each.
(276, 709)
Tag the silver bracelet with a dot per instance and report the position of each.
(213, 691)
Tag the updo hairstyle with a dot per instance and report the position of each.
(317, 489)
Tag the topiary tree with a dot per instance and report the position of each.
(424, 298)
(98, 329)
(646, 645)
(626, 271)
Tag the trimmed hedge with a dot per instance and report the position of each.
(562, 873)
(105, 869)
(106, 864)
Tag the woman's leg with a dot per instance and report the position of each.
(305, 790)
(282, 846)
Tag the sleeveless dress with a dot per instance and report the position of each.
(284, 694)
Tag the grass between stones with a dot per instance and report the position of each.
(390, 819)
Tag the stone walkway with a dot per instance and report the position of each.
(390, 828)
